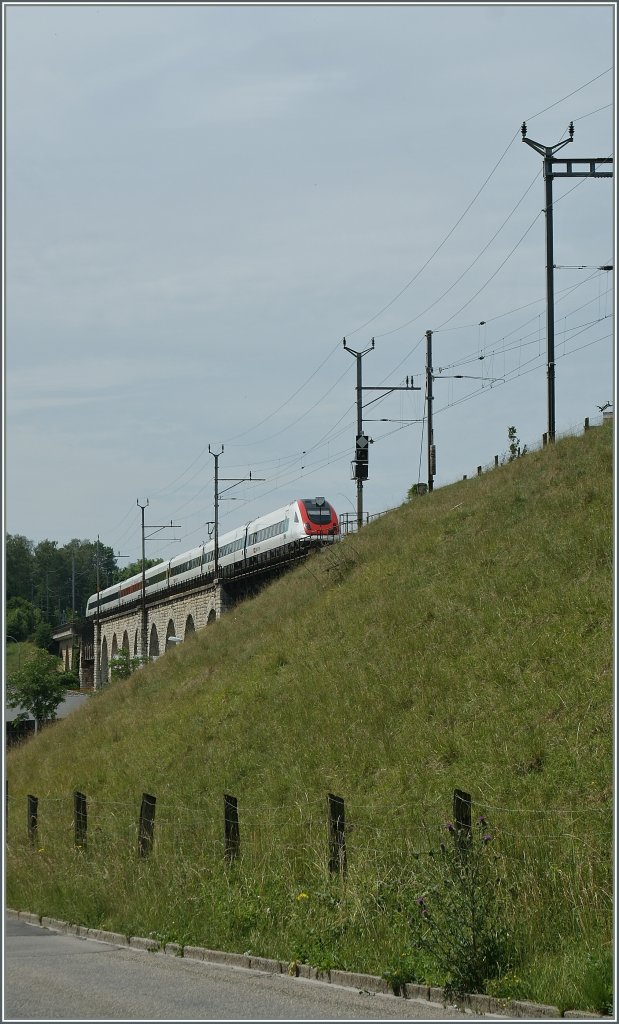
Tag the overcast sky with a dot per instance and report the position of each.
(203, 200)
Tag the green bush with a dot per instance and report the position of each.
(123, 665)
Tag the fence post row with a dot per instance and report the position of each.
(80, 816)
(33, 817)
(337, 841)
(232, 835)
(462, 803)
(147, 824)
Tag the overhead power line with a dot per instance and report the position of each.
(392, 301)
(471, 204)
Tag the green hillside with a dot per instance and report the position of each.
(462, 641)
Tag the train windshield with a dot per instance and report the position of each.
(318, 511)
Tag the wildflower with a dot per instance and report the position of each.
(481, 820)
(302, 896)
(486, 838)
(41, 850)
(450, 826)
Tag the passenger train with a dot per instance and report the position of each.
(272, 538)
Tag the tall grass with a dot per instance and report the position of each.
(464, 640)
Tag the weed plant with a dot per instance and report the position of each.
(460, 924)
(462, 641)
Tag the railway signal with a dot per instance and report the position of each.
(361, 457)
(360, 465)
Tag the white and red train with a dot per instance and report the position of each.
(271, 538)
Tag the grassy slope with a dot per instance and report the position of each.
(463, 640)
(16, 655)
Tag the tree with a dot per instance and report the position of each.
(22, 618)
(49, 577)
(37, 687)
(56, 580)
(81, 570)
(19, 566)
(42, 636)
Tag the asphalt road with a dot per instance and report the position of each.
(51, 976)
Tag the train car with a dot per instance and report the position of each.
(185, 567)
(232, 552)
(269, 538)
(319, 517)
(280, 533)
(107, 600)
(157, 578)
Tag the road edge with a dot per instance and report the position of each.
(517, 1009)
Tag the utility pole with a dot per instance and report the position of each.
(430, 379)
(156, 528)
(361, 445)
(216, 526)
(547, 152)
(143, 625)
(430, 399)
(98, 629)
(233, 480)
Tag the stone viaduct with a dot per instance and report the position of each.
(170, 618)
(176, 616)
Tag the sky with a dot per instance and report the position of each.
(202, 201)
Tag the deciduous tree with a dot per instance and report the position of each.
(37, 687)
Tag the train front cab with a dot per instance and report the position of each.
(319, 518)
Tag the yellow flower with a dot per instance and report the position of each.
(42, 850)
(302, 896)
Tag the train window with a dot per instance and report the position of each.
(318, 513)
(153, 579)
